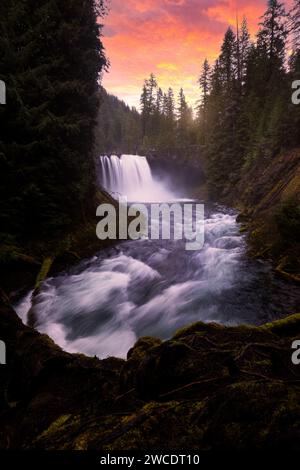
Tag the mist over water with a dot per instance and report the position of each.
(130, 175)
(153, 287)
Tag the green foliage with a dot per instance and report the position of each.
(51, 56)
(118, 129)
(245, 112)
(248, 113)
(168, 127)
(288, 221)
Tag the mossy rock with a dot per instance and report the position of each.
(209, 387)
(198, 328)
(288, 326)
(141, 347)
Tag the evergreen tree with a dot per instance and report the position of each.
(145, 110)
(184, 119)
(159, 101)
(119, 127)
(244, 50)
(245, 111)
(152, 92)
(271, 38)
(295, 24)
(292, 130)
(51, 57)
(148, 103)
(170, 109)
(248, 99)
(183, 109)
(224, 153)
(227, 58)
(204, 82)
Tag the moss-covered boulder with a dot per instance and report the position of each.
(207, 388)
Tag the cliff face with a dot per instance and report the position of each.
(209, 387)
(268, 197)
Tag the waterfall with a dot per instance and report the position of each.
(130, 176)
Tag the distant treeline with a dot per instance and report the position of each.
(119, 127)
(168, 127)
(164, 125)
(51, 56)
(245, 111)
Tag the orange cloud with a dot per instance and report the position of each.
(167, 66)
(170, 38)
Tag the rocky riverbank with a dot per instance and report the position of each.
(268, 198)
(23, 266)
(209, 387)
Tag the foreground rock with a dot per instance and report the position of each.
(209, 387)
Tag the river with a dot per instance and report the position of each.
(153, 287)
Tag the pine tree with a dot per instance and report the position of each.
(227, 58)
(292, 130)
(145, 110)
(151, 85)
(225, 123)
(272, 36)
(148, 102)
(119, 127)
(182, 107)
(204, 82)
(244, 50)
(295, 24)
(183, 119)
(158, 117)
(170, 110)
(51, 57)
(159, 101)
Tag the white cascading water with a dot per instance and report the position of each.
(153, 287)
(130, 176)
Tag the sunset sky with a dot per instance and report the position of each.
(170, 38)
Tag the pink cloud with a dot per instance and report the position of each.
(141, 35)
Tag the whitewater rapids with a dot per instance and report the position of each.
(152, 287)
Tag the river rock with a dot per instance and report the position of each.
(207, 388)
